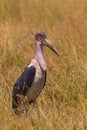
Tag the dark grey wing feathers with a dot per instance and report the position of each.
(22, 84)
(45, 78)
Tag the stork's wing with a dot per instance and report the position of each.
(22, 84)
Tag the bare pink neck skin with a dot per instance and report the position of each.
(39, 56)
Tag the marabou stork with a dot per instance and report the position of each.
(31, 82)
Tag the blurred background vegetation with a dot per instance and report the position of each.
(63, 103)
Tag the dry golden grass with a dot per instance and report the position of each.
(63, 103)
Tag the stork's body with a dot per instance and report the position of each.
(38, 81)
(32, 80)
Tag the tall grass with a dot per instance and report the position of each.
(62, 104)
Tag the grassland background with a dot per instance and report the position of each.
(63, 103)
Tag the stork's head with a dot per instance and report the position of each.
(41, 38)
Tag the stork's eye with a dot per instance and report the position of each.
(43, 34)
(40, 36)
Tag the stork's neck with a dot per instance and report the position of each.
(39, 56)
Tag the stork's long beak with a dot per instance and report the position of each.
(49, 45)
